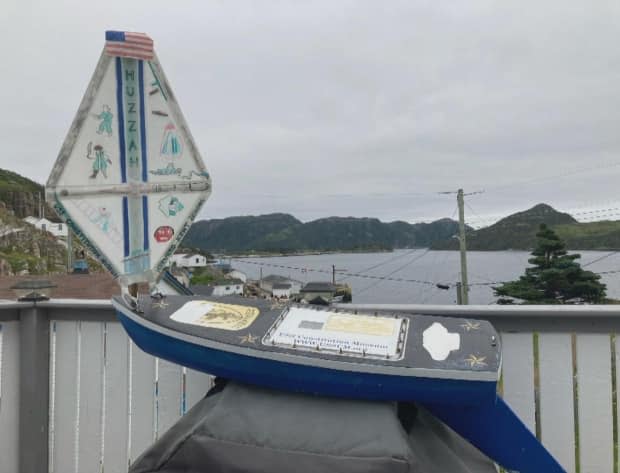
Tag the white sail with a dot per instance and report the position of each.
(129, 179)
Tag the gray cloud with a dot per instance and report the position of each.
(346, 108)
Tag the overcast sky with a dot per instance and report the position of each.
(348, 107)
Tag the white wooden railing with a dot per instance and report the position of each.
(108, 400)
(85, 399)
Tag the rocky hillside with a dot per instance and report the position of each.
(26, 250)
(20, 195)
(284, 233)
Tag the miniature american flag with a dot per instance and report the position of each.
(126, 44)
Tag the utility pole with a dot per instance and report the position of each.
(334, 271)
(463, 248)
(69, 251)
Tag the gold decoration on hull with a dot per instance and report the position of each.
(249, 338)
(468, 325)
(476, 361)
(160, 305)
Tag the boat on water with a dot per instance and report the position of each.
(129, 181)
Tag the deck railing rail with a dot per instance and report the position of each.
(76, 395)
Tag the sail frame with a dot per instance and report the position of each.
(140, 193)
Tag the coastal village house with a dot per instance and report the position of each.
(281, 290)
(268, 282)
(318, 292)
(223, 287)
(59, 230)
(185, 260)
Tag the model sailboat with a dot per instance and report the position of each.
(129, 181)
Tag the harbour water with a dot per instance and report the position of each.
(411, 276)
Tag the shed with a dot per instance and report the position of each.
(318, 289)
(281, 290)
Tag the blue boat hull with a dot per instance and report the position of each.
(305, 378)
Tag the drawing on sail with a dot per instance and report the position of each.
(129, 179)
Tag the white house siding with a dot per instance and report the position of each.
(176, 259)
(281, 293)
(189, 261)
(267, 285)
(197, 261)
(56, 229)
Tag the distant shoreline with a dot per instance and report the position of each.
(318, 253)
(310, 253)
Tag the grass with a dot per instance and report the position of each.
(587, 229)
(11, 181)
(20, 261)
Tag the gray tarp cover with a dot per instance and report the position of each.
(244, 429)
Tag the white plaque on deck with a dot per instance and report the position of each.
(216, 315)
(340, 333)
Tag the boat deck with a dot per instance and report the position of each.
(257, 325)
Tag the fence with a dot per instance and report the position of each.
(77, 396)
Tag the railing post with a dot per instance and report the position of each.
(34, 352)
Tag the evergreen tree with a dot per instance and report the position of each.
(555, 277)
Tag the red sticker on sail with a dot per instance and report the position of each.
(163, 234)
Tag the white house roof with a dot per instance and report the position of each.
(281, 286)
(35, 220)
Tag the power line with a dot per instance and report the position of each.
(405, 280)
(472, 210)
(356, 275)
(564, 174)
(596, 215)
(600, 259)
(481, 191)
(370, 268)
(494, 283)
(386, 277)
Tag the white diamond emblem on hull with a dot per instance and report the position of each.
(438, 342)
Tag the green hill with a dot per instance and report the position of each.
(518, 232)
(283, 233)
(236, 234)
(603, 235)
